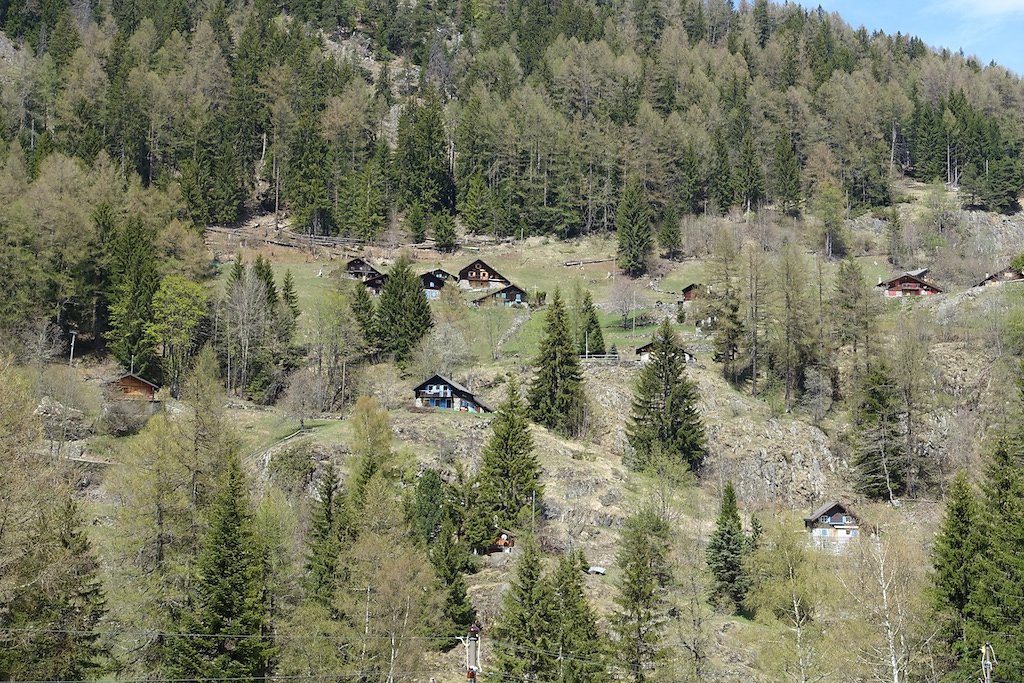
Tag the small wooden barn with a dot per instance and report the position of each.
(503, 542)
(1006, 275)
(441, 392)
(360, 269)
(693, 291)
(832, 525)
(376, 283)
(432, 285)
(479, 275)
(132, 387)
(910, 283)
(507, 296)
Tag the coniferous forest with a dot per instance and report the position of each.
(260, 421)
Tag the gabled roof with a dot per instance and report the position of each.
(129, 375)
(442, 273)
(1001, 276)
(495, 293)
(431, 276)
(692, 285)
(376, 280)
(440, 379)
(920, 272)
(646, 347)
(910, 275)
(827, 507)
(481, 264)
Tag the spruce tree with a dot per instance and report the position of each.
(720, 186)
(226, 599)
(642, 602)
(364, 311)
(417, 223)
(450, 558)
(665, 427)
(727, 549)
(996, 604)
(475, 205)
(749, 176)
(591, 339)
(786, 176)
(881, 460)
(954, 557)
(576, 637)
(669, 237)
(53, 618)
(633, 229)
(428, 506)
(135, 281)
(556, 395)
(403, 313)
(445, 237)
(523, 628)
(289, 295)
(509, 478)
(262, 269)
(323, 541)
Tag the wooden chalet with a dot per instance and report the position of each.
(1006, 275)
(440, 392)
(910, 283)
(443, 274)
(693, 291)
(503, 542)
(506, 296)
(479, 275)
(432, 285)
(360, 269)
(133, 388)
(376, 283)
(831, 526)
(644, 354)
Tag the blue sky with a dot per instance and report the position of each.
(989, 29)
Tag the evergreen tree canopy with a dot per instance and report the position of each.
(727, 549)
(665, 427)
(323, 541)
(881, 459)
(403, 312)
(591, 339)
(556, 394)
(523, 627)
(633, 229)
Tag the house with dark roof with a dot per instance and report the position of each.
(506, 296)
(479, 275)
(376, 283)
(693, 291)
(644, 354)
(432, 285)
(360, 269)
(831, 526)
(441, 392)
(1008, 274)
(910, 283)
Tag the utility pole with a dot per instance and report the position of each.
(988, 662)
(472, 643)
(71, 358)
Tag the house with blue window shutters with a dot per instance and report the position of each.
(443, 393)
(506, 296)
(831, 526)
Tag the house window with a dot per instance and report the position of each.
(846, 519)
(823, 532)
(847, 532)
(824, 519)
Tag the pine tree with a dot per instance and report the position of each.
(880, 461)
(727, 549)
(226, 600)
(135, 281)
(996, 604)
(720, 186)
(403, 313)
(762, 22)
(591, 339)
(786, 175)
(370, 209)
(364, 311)
(427, 511)
(64, 40)
(523, 627)
(749, 176)
(53, 618)
(474, 207)
(669, 237)
(642, 601)
(556, 395)
(323, 541)
(509, 478)
(665, 428)
(417, 223)
(954, 556)
(262, 269)
(445, 238)
(450, 558)
(633, 229)
(577, 639)
(689, 180)
(289, 295)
